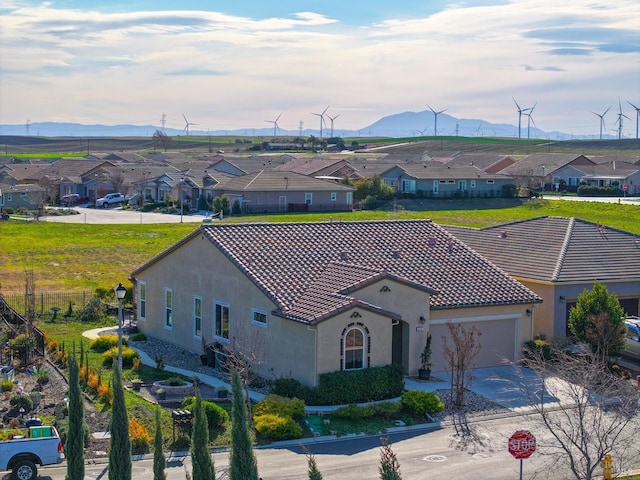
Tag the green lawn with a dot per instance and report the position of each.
(75, 257)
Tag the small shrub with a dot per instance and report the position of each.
(174, 382)
(421, 403)
(105, 342)
(106, 393)
(136, 366)
(277, 405)
(63, 428)
(53, 345)
(216, 415)
(387, 409)
(22, 401)
(140, 437)
(138, 337)
(128, 354)
(93, 311)
(354, 412)
(6, 385)
(7, 433)
(276, 427)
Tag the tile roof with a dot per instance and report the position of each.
(434, 170)
(557, 249)
(269, 180)
(309, 269)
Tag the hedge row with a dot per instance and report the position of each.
(345, 387)
(593, 191)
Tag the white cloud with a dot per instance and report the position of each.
(231, 72)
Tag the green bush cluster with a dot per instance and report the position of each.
(105, 342)
(128, 355)
(344, 387)
(93, 311)
(537, 348)
(355, 412)
(276, 427)
(274, 417)
(138, 337)
(6, 385)
(595, 191)
(420, 403)
(277, 405)
(62, 426)
(22, 401)
(216, 415)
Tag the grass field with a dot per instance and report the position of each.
(75, 257)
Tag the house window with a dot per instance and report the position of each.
(349, 198)
(222, 321)
(308, 197)
(168, 309)
(142, 289)
(334, 196)
(197, 317)
(472, 184)
(462, 185)
(259, 317)
(354, 349)
(436, 184)
(409, 186)
(490, 182)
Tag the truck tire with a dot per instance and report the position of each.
(24, 470)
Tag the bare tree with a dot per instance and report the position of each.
(460, 357)
(592, 411)
(49, 189)
(162, 139)
(116, 179)
(245, 353)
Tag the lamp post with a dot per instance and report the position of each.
(181, 199)
(120, 293)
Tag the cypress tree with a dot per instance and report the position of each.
(314, 473)
(201, 462)
(389, 467)
(243, 464)
(74, 446)
(120, 446)
(159, 462)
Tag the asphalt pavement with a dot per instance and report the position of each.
(117, 215)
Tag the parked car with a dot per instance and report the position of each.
(633, 328)
(110, 199)
(73, 199)
(133, 199)
(42, 446)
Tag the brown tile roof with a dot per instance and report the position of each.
(557, 249)
(309, 269)
(269, 180)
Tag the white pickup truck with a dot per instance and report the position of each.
(20, 454)
(110, 199)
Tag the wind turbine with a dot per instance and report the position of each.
(275, 124)
(187, 124)
(601, 119)
(637, 115)
(321, 115)
(332, 119)
(435, 115)
(529, 118)
(520, 112)
(619, 121)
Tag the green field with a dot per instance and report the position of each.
(77, 257)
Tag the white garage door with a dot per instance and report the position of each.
(498, 341)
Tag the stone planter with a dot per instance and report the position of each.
(185, 390)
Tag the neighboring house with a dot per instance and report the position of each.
(273, 191)
(613, 173)
(318, 167)
(487, 162)
(327, 296)
(559, 258)
(542, 170)
(28, 196)
(443, 181)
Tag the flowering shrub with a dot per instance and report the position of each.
(140, 437)
(276, 427)
(105, 392)
(128, 354)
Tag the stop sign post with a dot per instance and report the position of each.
(522, 444)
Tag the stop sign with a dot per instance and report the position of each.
(522, 444)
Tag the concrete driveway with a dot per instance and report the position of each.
(117, 215)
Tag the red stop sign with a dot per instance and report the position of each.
(522, 444)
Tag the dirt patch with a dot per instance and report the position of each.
(52, 404)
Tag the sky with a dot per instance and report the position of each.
(239, 65)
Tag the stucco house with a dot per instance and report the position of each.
(443, 181)
(559, 258)
(330, 296)
(270, 191)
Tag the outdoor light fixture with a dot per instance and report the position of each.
(423, 320)
(121, 291)
(529, 312)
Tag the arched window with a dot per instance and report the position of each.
(354, 349)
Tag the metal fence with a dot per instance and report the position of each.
(19, 325)
(48, 303)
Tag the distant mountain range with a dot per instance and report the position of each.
(407, 124)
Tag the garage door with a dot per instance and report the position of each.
(497, 343)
